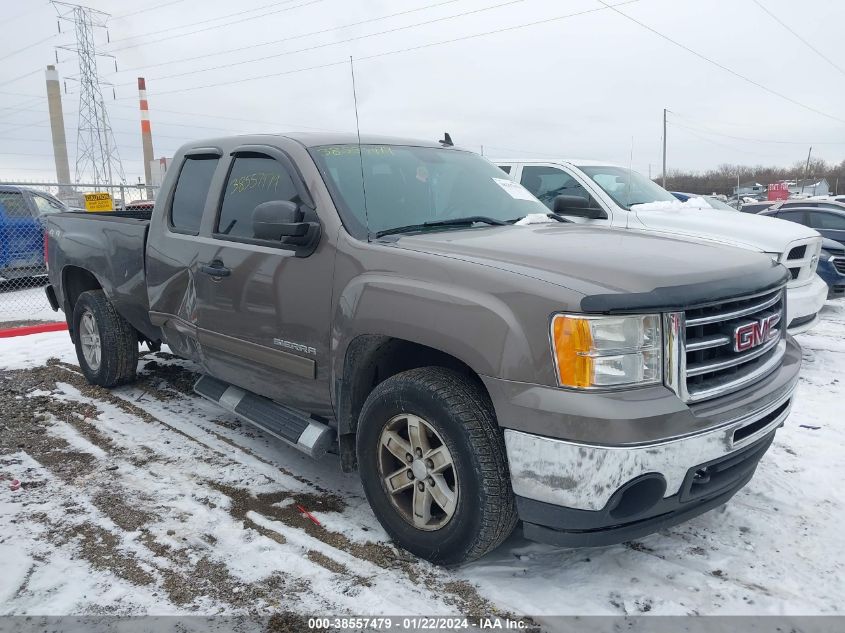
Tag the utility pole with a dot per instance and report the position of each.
(97, 157)
(738, 205)
(806, 169)
(664, 148)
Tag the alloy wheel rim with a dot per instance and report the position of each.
(417, 472)
(89, 338)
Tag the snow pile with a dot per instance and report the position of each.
(535, 218)
(672, 205)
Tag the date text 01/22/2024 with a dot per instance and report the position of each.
(417, 623)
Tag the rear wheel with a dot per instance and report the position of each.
(432, 461)
(106, 344)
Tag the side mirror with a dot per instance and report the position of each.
(578, 206)
(276, 219)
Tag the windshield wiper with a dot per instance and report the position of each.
(551, 215)
(465, 221)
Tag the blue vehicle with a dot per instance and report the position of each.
(22, 212)
(832, 268)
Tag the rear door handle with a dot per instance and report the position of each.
(215, 269)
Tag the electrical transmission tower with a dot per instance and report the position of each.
(97, 156)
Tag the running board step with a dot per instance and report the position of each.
(289, 425)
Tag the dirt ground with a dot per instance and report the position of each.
(146, 499)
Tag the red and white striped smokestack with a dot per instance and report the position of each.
(146, 135)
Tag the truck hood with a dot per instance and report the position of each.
(603, 261)
(744, 230)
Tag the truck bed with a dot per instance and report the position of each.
(111, 246)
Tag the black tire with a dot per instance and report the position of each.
(461, 413)
(118, 341)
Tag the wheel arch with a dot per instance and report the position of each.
(75, 281)
(370, 360)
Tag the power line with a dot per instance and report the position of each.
(753, 140)
(8, 81)
(346, 41)
(26, 104)
(168, 3)
(228, 118)
(23, 14)
(27, 47)
(288, 39)
(21, 94)
(804, 41)
(711, 141)
(208, 28)
(721, 66)
(462, 38)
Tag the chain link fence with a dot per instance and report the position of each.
(24, 207)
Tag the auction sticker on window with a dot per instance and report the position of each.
(514, 189)
(98, 202)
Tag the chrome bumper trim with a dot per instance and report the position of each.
(584, 476)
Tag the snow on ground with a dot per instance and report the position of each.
(24, 300)
(147, 499)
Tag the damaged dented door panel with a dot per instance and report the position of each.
(263, 305)
(172, 249)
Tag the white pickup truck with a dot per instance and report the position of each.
(605, 194)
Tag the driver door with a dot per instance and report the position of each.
(263, 311)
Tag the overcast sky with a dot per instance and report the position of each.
(590, 86)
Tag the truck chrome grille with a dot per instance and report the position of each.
(839, 264)
(705, 358)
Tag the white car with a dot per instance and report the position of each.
(601, 193)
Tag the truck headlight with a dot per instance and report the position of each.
(607, 351)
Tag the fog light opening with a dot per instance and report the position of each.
(637, 496)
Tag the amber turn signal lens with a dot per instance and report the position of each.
(572, 344)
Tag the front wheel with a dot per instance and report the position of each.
(432, 461)
(106, 344)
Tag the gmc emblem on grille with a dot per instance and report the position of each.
(751, 335)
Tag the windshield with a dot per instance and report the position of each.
(408, 185)
(627, 187)
(718, 204)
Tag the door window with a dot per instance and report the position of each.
(505, 168)
(548, 182)
(12, 205)
(831, 221)
(792, 216)
(191, 193)
(252, 180)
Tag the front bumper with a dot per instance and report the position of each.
(637, 463)
(620, 521)
(833, 278)
(803, 304)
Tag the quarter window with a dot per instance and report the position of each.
(12, 205)
(548, 182)
(191, 193)
(253, 180)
